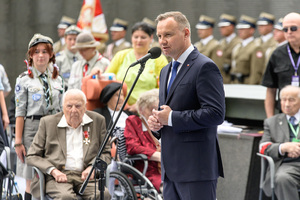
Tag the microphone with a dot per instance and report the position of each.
(152, 53)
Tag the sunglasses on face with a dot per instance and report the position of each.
(292, 28)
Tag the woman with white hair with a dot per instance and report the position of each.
(139, 138)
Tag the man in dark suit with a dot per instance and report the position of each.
(65, 147)
(281, 141)
(190, 109)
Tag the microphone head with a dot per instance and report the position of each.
(155, 52)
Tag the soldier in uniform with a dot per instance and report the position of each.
(92, 63)
(207, 43)
(64, 23)
(38, 92)
(247, 56)
(66, 57)
(118, 32)
(222, 54)
(152, 25)
(265, 25)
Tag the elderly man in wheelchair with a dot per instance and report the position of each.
(281, 142)
(64, 148)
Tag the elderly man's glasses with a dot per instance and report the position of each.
(292, 28)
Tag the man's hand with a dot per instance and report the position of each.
(20, 151)
(153, 123)
(86, 172)
(59, 176)
(162, 115)
(291, 148)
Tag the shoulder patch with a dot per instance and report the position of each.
(259, 54)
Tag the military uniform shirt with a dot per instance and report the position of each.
(207, 45)
(59, 45)
(30, 98)
(115, 47)
(223, 53)
(247, 60)
(98, 61)
(64, 60)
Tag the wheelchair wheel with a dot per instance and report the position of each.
(124, 189)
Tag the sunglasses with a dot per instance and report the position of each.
(292, 28)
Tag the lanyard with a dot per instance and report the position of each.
(293, 130)
(292, 60)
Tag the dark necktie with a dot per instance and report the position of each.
(175, 65)
(74, 59)
(46, 88)
(292, 120)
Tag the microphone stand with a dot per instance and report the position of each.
(108, 134)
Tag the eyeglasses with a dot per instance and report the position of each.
(292, 28)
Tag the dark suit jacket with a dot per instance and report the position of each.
(190, 149)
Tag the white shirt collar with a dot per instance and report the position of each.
(230, 37)
(207, 39)
(245, 42)
(63, 121)
(185, 54)
(297, 116)
(265, 38)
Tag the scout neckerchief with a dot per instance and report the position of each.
(86, 65)
(295, 77)
(48, 94)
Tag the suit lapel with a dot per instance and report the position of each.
(62, 140)
(183, 71)
(284, 128)
(85, 147)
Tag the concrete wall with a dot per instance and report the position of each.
(20, 19)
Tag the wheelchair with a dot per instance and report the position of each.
(123, 180)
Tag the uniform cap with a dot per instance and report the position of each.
(265, 19)
(108, 91)
(39, 38)
(150, 23)
(278, 25)
(65, 22)
(205, 22)
(227, 20)
(85, 40)
(246, 22)
(119, 25)
(72, 30)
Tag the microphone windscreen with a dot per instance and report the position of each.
(155, 52)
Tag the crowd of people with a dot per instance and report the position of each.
(176, 105)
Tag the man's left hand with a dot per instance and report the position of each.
(86, 172)
(162, 115)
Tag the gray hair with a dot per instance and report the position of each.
(177, 16)
(72, 92)
(148, 100)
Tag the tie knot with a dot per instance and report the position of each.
(175, 65)
(292, 120)
(43, 75)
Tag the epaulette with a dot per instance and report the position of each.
(23, 74)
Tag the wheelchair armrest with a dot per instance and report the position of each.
(263, 168)
(138, 157)
(41, 181)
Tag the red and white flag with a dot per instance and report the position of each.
(91, 19)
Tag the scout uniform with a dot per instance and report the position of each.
(208, 44)
(82, 68)
(116, 46)
(32, 103)
(247, 57)
(66, 58)
(64, 23)
(222, 54)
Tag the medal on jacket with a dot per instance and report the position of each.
(86, 139)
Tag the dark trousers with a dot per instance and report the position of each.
(200, 190)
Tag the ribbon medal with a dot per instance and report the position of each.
(86, 138)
